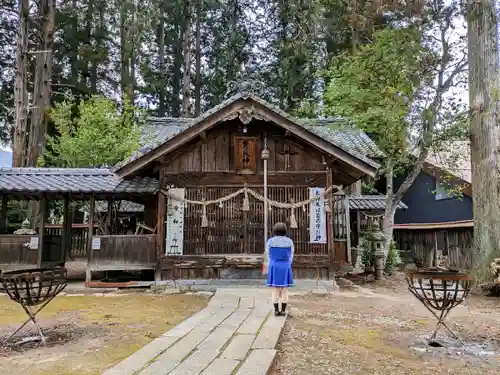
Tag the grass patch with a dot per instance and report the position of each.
(369, 339)
(115, 327)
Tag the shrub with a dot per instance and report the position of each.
(393, 259)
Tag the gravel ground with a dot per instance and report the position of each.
(382, 329)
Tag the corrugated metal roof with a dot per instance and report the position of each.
(71, 180)
(354, 141)
(370, 202)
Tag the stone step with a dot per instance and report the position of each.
(238, 347)
(171, 358)
(258, 362)
(142, 357)
(221, 367)
(270, 333)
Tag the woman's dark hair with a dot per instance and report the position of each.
(279, 229)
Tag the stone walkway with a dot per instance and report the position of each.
(235, 334)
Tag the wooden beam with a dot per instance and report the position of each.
(3, 215)
(88, 274)
(329, 225)
(66, 229)
(160, 234)
(41, 229)
(295, 179)
(348, 229)
(109, 217)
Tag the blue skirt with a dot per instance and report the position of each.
(280, 274)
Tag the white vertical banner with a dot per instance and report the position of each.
(317, 216)
(175, 221)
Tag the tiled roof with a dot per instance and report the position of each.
(159, 130)
(71, 180)
(125, 206)
(348, 135)
(370, 202)
(453, 157)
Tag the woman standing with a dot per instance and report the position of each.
(279, 257)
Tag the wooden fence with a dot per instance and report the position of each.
(14, 250)
(455, 243)
(79, 238)
(122, 252)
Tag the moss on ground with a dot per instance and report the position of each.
(117, 326)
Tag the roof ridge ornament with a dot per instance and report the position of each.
(246, 87)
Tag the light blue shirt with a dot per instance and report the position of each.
(279, 241)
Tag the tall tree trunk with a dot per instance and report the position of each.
(162, 107)
(88, 44)
(21, 90)
(100, 46)
(186, 51)
(43, 79)
(484, 131)
(177, 68)
(74, 46)
(390, 206)
(197, 88)
(125, 79)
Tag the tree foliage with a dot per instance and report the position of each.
(399, 89)
(376, 87)
(100, 133)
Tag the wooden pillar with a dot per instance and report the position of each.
(109, 217)
(160, 234)
(88, 273)
(348, 229)
(41, 229)
(358, 228)
(330, 235)
(3, 215)
(66, 230)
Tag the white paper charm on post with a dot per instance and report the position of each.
(175, 221)
(96, 243)
(317, 216)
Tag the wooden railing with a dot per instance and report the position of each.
(79, 238)
(123, 252)
(14, 250)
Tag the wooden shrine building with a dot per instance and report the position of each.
(201, 182)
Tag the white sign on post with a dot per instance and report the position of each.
(96, 243)
(175, 221)
(33, 245)
(317, 216)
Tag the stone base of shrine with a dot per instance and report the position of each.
(236, 266)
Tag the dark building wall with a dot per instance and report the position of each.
(424, 208)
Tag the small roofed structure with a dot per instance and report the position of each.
(365, 209)
(52, 184)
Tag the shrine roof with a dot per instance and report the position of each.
(73, 181)
(163, 134)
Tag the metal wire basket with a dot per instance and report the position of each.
(33, 288)
(439, 291)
